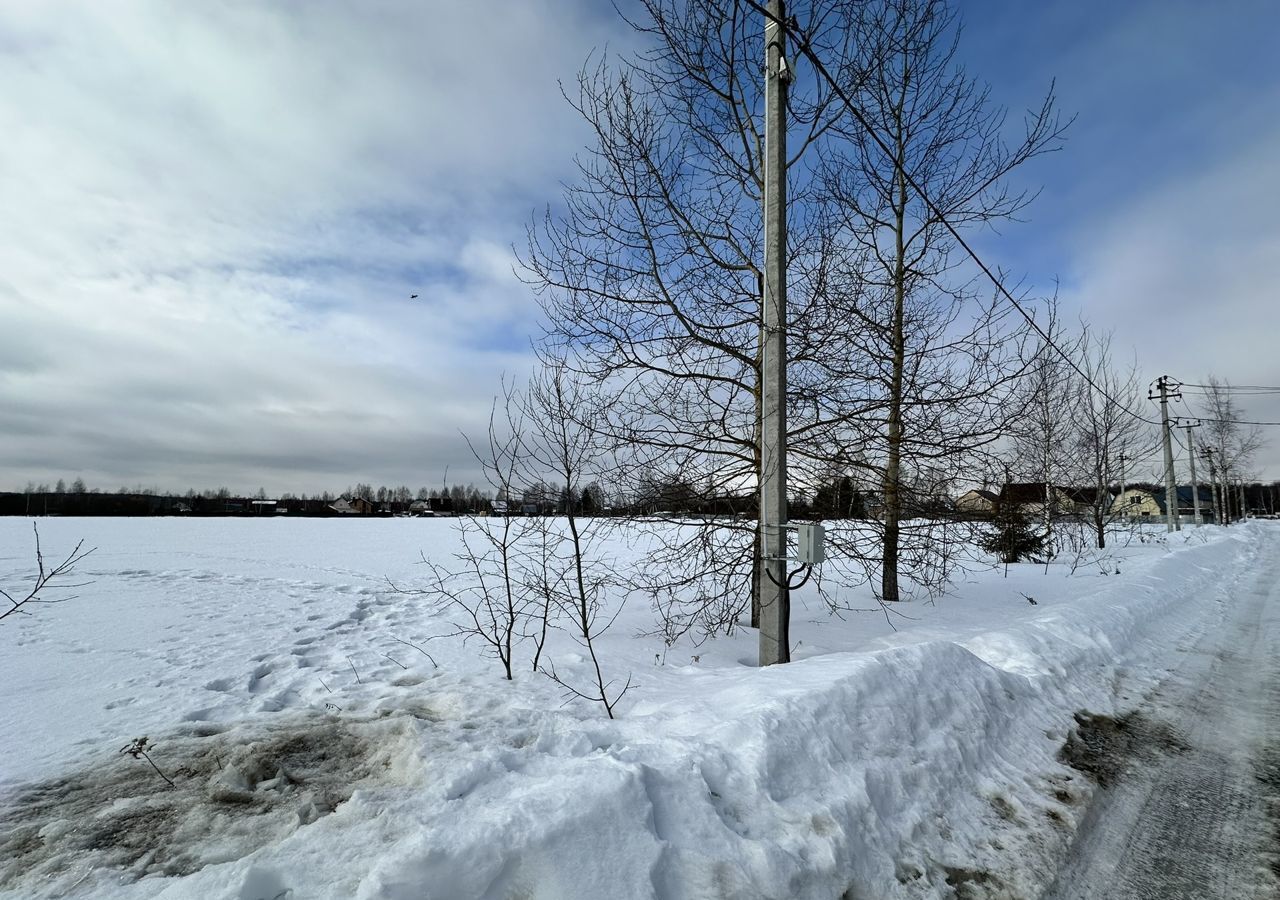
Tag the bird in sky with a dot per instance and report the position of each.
(413, 296)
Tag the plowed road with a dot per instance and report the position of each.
(1195, 818)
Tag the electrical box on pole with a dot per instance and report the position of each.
(810, 548)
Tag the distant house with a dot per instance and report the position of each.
(1186, 502)
(1082, 498)
(1140, 503)
(499, 508)
(977, 502)
(1031, 498)
(421, 508)
(432, 506)
(353, 506)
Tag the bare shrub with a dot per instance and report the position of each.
(46, 579)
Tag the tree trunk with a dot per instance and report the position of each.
(893, 462)
(1100, 510)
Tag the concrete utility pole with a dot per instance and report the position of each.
(775, 615)
(1213, 485)
(1170, 484)
(1243, 508)
(1195, 485)
(1124, 507)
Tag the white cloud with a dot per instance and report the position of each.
(216, 212)
(1189, 273)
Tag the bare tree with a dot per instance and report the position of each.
(1232, 443)
(1104, 425)
(482, 593)
(650, 272)
(571, 576)
(1044, 433)
(941, 362)
(537, 566)
(650, 279)
(46, 579)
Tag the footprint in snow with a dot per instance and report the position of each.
(256, 679)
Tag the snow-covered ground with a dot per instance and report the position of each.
(316, 755)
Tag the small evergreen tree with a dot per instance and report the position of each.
(1014, 539)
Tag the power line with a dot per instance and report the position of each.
(1234, 393)
(1240, 396)
(1143, 456)
(1154, 447)
(1236, 421)
(1233, 388)
(802, 44)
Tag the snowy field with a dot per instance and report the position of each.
(315, 755)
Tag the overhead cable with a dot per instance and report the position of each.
(805, 48)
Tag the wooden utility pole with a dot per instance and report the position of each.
(1170, 483)
(774, 602)
(1195, 485)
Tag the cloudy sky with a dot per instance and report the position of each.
(215, 214)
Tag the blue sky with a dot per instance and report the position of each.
(1157, 215)
(216, 214)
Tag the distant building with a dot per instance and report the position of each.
(977, 502)
(1031, 498)
(1140, 503)
(353, 506)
